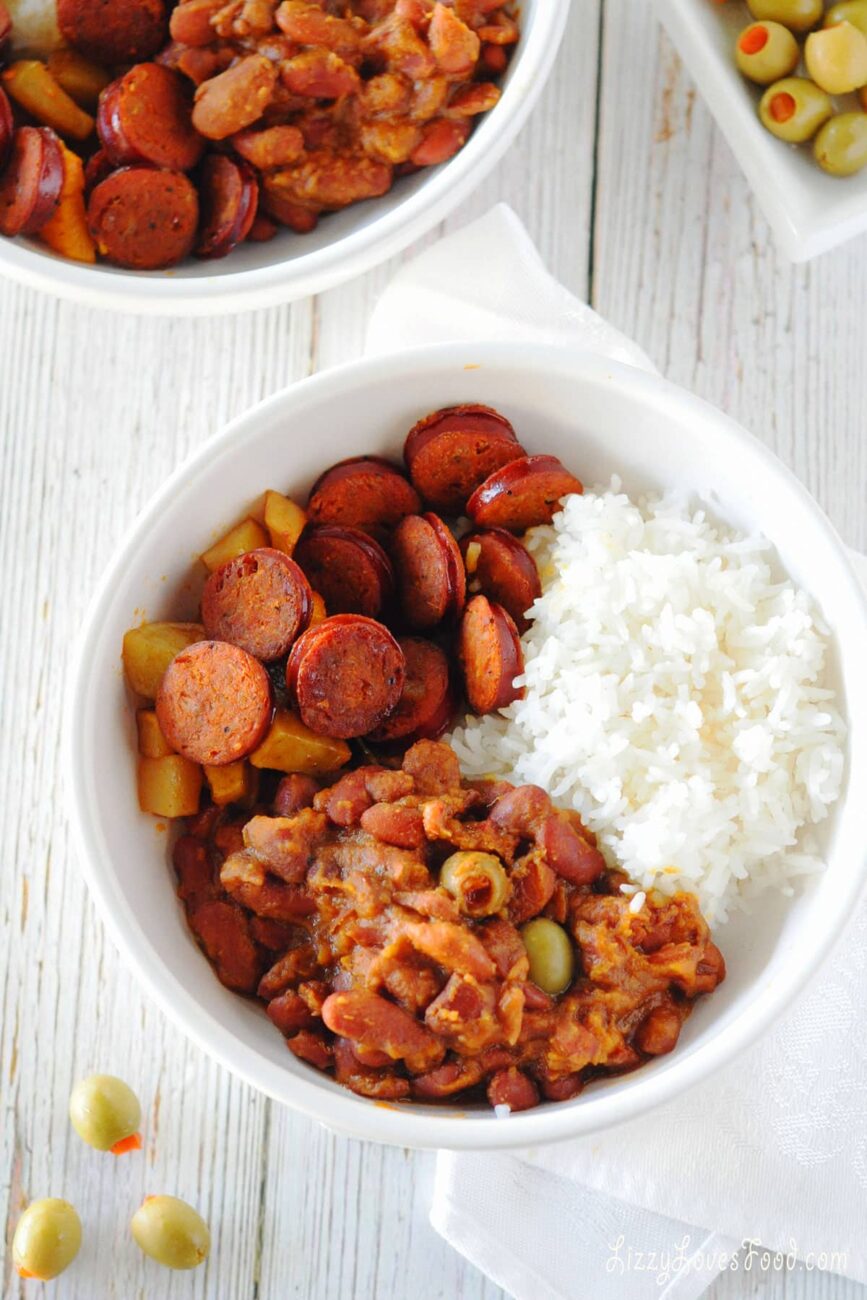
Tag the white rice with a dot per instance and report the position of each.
(34, 27)
(675, 698)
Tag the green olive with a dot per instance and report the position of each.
(552, 957)
(797, 15)
(841, 145)
(836, 58)
(766, 51)
(105, 1112)
(850, 11)
(171, 1232)
(47, 1239)
(793, 109)
(476, 881)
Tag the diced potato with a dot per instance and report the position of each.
(284, 520)
(232, 782)
(318, 613)
(148, 650)
(32, 86)
(151, 741)
(169, 786)
(291, 747)
(66, 230)
(244, 537)
(80, 78)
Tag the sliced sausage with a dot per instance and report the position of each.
(502, 569)
(348, 568)
(430, 571)
(30, 186)
(214, 702)
(522, 494)
(236, 98)
(295, 791)
(146, 117)
(276, 146)
(97, 168)
(229, 195)
(144, 219)
(114, 31)
(346, 675)
(365, 492)
(260, 601)
(450, 452)
(427, 703)
(5, 28)
(490, 656)
(7, 122)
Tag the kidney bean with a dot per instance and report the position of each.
(374, 1022)
(513, 1088)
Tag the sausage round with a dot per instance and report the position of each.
(429, 569)
(144, 219)
(346, 675)
(122, 31)
(364, 492)
(490, 656)
(31, 184)
(259, 601)
(146, 117)
(97, 168)
(502, 569)
(348, 568)
(522, 494)
(5, 28)
(236, 98)
(214, 703)
(450, 452)
(427, 702)
(229, 195)
(7, 122)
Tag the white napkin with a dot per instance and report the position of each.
(771, 1151)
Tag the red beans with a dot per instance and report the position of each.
(502, 569)
(234, 99)
(346, 675)
(7, 122)
(450, 452)
(430, 571)
(229, 194)
(123, 31)
(260, 601)
(513, 1088)
(522, 494)
(364, 492)
(144, 219)
(490, 656)
(31, 184)
(427, 702)
(5, 29)
(146, 117)
(214, 702)
(571, 855)
(348, 568)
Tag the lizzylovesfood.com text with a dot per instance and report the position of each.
(751, 1257)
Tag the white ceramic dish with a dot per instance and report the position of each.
(344, 245)
(809, 212)
(600, 417)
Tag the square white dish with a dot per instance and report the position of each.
(808, 211)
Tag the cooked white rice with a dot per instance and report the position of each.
(674, 697)
(34, 26)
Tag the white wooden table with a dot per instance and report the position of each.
(636, 203)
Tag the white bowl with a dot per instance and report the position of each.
(600, 417)
(808, 211)
(345, 244)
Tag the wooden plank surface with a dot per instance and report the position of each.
(632, 196)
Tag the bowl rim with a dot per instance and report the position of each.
(170, 293)
(346, 1113)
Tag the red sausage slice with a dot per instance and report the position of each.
(120, 31)
(144, 219)
(260, 601)
(364, 492)
(97, 168)
(31, 184)
(430, 571)
(346, 675)
(146, 116)
(502, 569)
(348, 568)
(229, 194)
(7, 122)
(214, 703)
(522, 494)
(450, 452)
(5, 28)
(490, 656)
(427, 703)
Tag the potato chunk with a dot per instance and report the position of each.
(151, 741)
(232, 782)
(148, 650)
(291, 747)
(246, 536)
(169, 786)
(284, 520)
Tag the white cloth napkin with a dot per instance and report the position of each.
(774, 1149)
